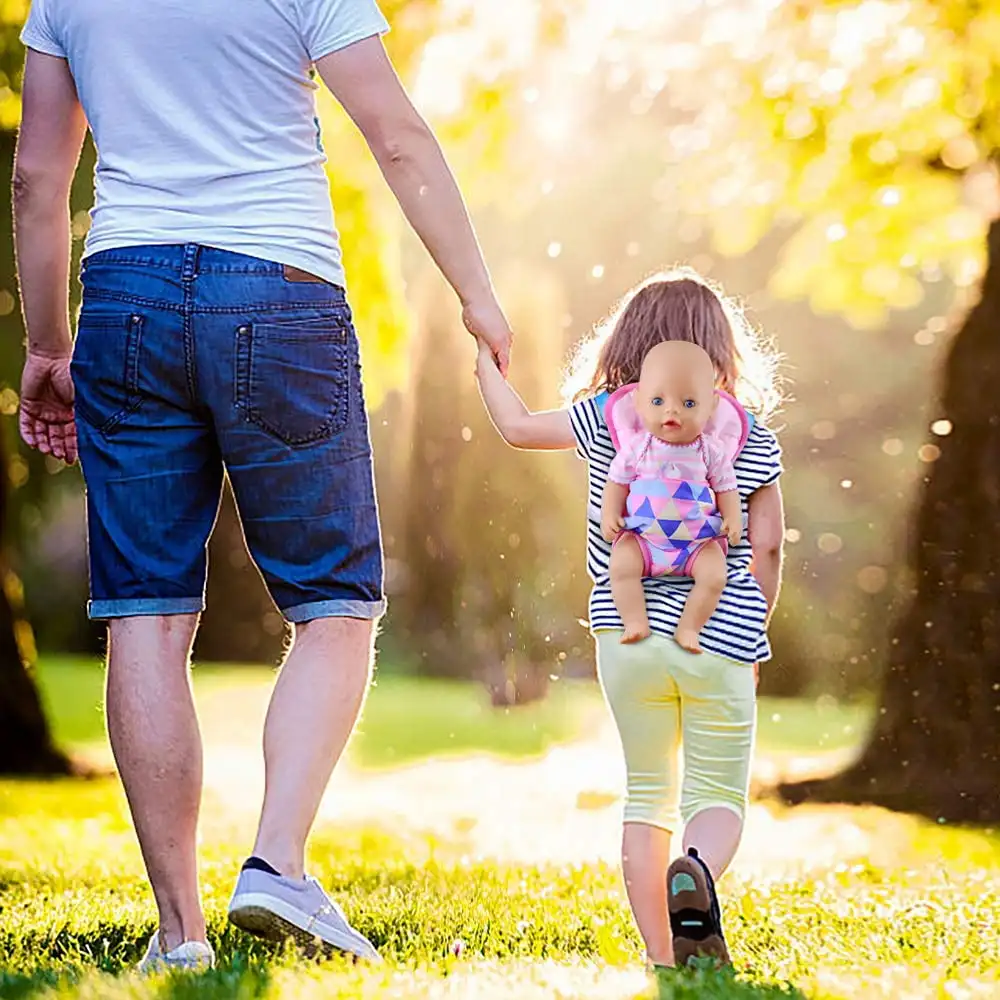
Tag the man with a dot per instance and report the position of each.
(215, 335)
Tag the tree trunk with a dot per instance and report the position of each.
(26, 745)
(935, 747)
(423, 614)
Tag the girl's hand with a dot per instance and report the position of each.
(487, 323)
(484, 356)
(612, 525)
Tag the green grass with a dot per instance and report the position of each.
(923, 922)
(406, 719)
(920, 918)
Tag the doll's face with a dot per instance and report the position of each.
(676, 395)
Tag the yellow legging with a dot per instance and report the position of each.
(663, 697)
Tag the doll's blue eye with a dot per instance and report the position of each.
(657, 401)
(689, 404)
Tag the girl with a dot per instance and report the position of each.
(663, 697)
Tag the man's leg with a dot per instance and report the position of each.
(294, 437)
(154, 476)
(315, 704)
(157, 746)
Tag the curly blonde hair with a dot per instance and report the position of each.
(677, 305)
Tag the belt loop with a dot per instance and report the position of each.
(189, 267)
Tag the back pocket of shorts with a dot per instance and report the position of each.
(293, 378)
(105, 367)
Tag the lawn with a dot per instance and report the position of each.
(406, 719)
(922, 921)
(918, 915)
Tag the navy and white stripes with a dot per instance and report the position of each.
(736, 630)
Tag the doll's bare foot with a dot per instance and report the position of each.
(687, 638)
(636, 631)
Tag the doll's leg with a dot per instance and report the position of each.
(709, 572)
(627, 567)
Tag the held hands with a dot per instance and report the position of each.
(485, 320)
(47, 395)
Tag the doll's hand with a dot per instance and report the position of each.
(612, 525)
(733, 531)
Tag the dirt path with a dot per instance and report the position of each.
(563, 807)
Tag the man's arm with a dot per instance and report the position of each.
(48, 149)
(364, 81)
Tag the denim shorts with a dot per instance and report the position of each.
(192, 363)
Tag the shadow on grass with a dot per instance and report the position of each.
(50, 964)
(247, 983)
(708, 983)
(14, 987)
(239, 979)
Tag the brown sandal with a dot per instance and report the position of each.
(695, 917)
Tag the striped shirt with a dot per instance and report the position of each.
(737, 628)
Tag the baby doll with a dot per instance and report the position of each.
(672, 457)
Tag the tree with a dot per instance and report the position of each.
(490, 589)
(869, 133)
(26, 744)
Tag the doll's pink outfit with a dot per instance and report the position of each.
(671, 507)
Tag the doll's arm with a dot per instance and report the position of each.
(613, 509)
(732, 515)
(722, 479)
(518, 426)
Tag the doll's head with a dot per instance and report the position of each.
(676, 395)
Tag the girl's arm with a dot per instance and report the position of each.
(767, 539)
(518, 426)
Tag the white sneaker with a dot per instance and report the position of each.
(275, 908)
(191, 956)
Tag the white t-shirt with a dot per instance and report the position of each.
(203, 114)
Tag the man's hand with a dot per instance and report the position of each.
(47, 406)
(487, 323)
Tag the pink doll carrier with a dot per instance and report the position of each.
(681, 517)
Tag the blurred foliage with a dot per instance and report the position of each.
(370, 227)
(591, 160)
(868, 131)
(484, 560)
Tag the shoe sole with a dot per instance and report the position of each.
(273, 920)
(699, 897)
